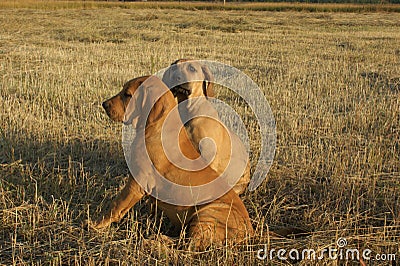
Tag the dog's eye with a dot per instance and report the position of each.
(127, 94)
(192, 69)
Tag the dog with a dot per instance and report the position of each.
(224, 219)
(191, 84)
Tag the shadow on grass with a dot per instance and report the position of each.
(50, 188)
(84, 173)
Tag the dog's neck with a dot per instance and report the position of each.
(161, 109)
(194, 107)
(166, 107)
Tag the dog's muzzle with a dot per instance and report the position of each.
(180, 90)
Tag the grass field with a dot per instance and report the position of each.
(333, 83)
(197, 5)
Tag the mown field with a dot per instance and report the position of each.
(331, 79)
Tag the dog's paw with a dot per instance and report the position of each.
(96, 225)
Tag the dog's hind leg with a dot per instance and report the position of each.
(225, 219)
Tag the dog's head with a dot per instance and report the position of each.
(141, 102)
(115, 106)
(188, 78)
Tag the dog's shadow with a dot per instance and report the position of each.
(84, 174)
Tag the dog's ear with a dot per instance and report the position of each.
(158, 100)
(147, 104)
(134, 108)
(208, 90)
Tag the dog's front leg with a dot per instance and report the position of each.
(127, 198)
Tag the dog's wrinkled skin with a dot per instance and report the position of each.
(224, 219)
(188, 79)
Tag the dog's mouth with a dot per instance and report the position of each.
(181, 90)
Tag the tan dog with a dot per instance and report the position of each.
(225, 218)
(188, 79)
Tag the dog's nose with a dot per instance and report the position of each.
(105, 105)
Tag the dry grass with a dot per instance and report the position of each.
(197, 5)
(332, 80)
